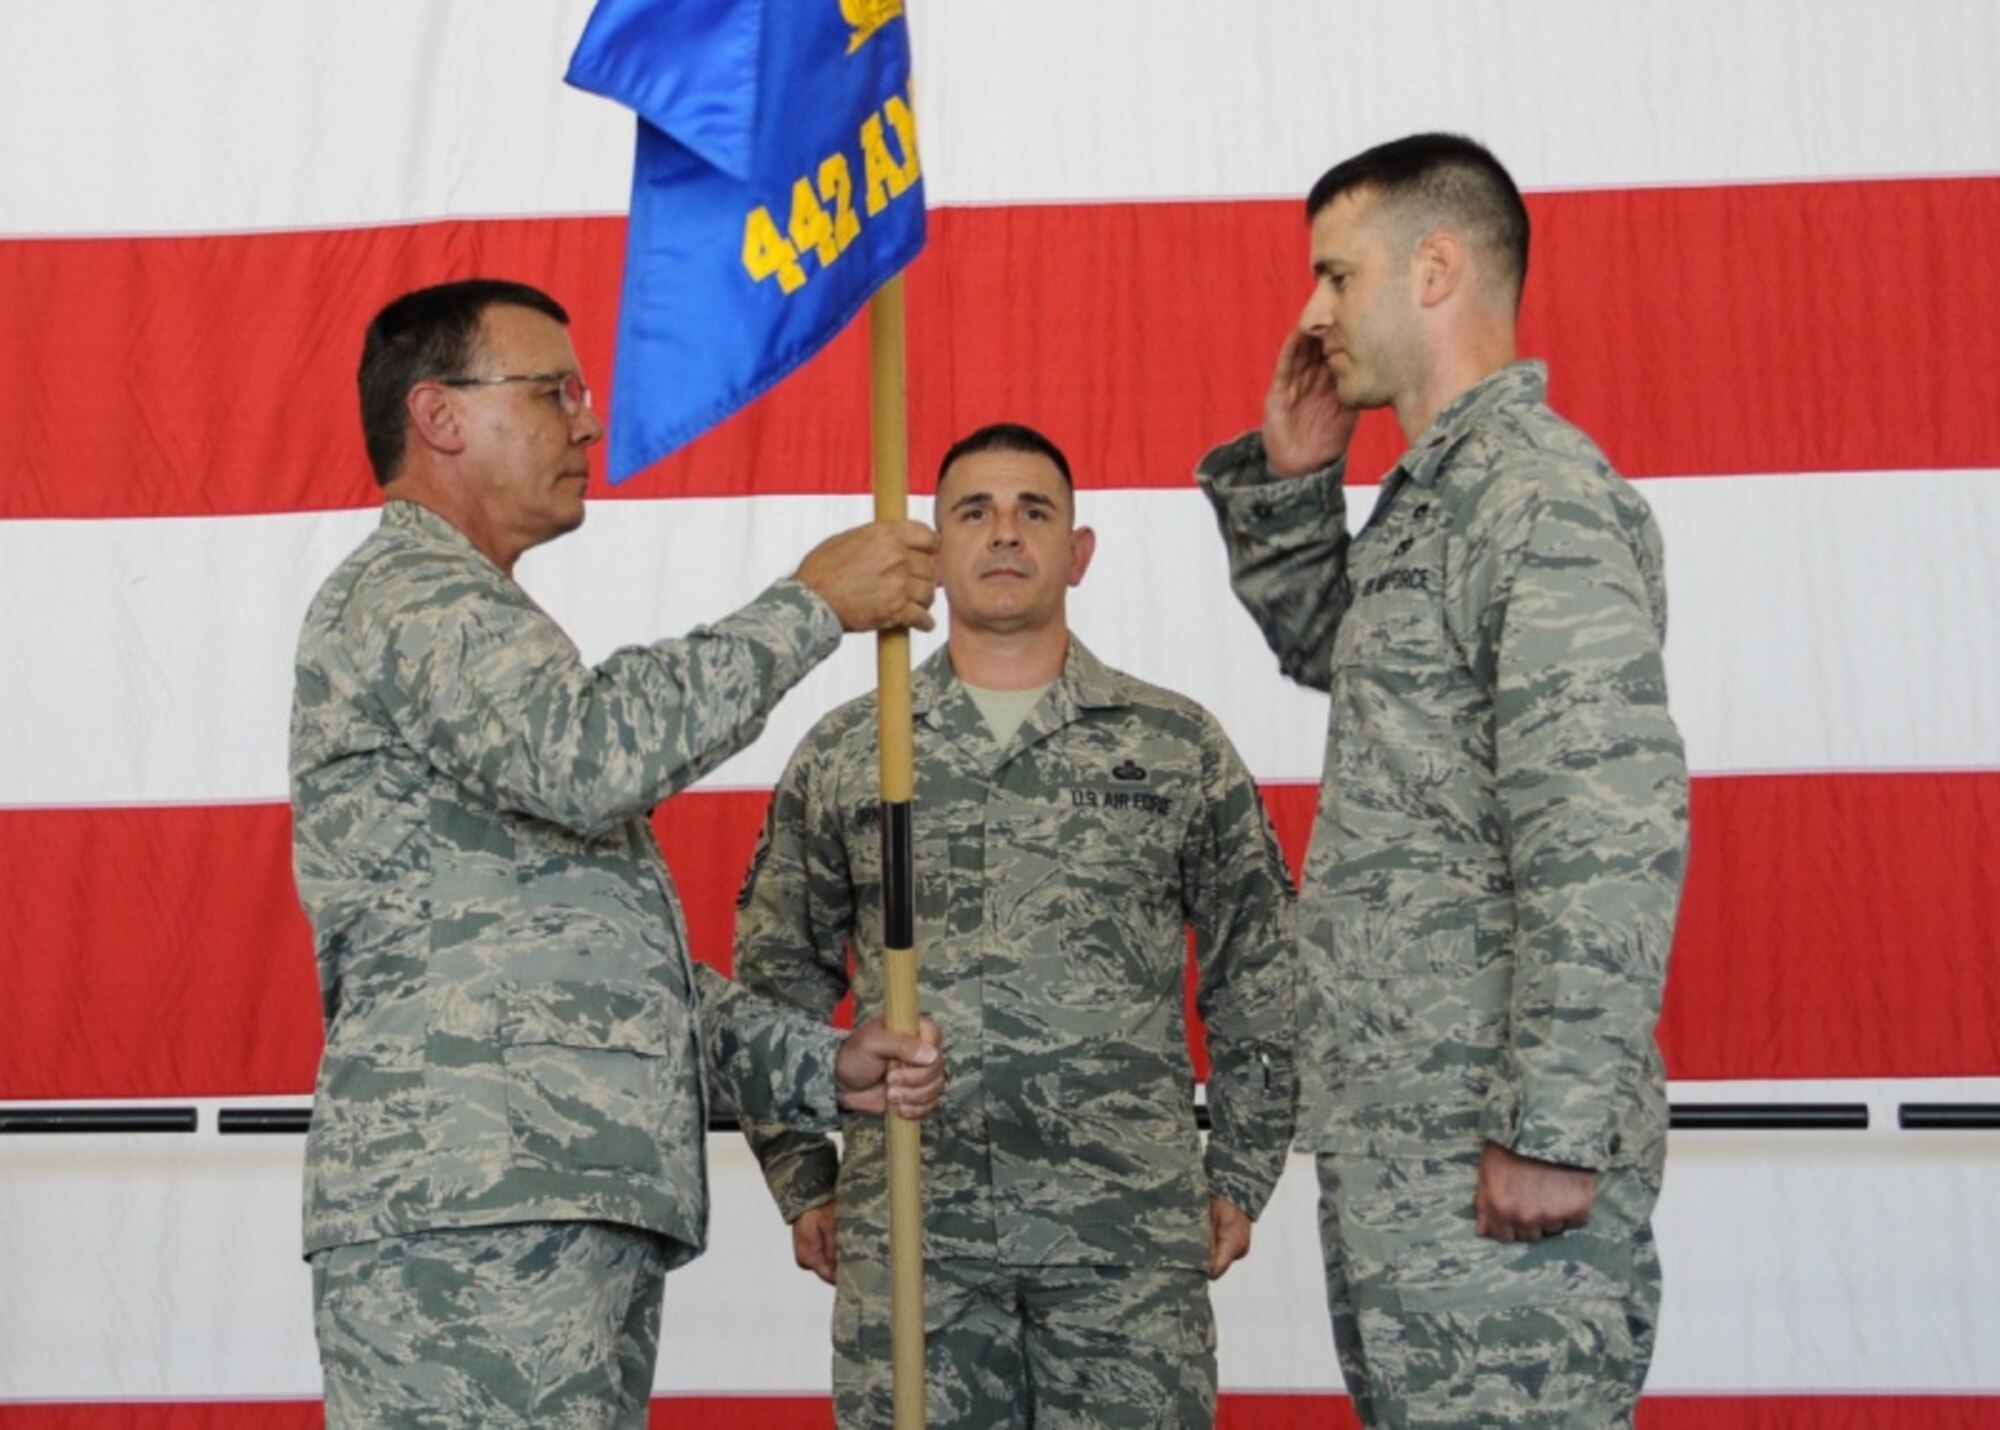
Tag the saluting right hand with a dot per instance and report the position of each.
(876, 577)
(1305, 425)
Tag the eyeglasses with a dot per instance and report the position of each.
(570, 389)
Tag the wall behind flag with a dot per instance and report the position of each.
(1760, 278)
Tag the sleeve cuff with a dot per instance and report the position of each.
(1254, 499)
(801, 1169)
(1505, 1122)
(791, 1214)
(811, 1189)
(1236, 1183)
(819, 1109)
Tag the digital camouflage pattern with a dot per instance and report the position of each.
(1491, 888)
(1113, 1347)
(546, 1326)
(1436, 1329)
(1055, 879)
(514, 1029)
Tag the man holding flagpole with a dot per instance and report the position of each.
(507, 1144)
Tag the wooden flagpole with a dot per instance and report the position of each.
(890, 431)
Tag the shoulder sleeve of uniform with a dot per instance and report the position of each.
(1238, 897)
(1562, 623)
(795, 911)
(1286, 538)
(491, 691)
(794, 916)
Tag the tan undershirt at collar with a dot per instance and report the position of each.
(1005, 709)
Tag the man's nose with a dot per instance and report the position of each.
(586, 428)
(1317, 315)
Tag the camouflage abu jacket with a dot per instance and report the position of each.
(1492, 882)
(513, 1028)
(1055, 879)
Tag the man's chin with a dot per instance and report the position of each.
(1003, 617)
(1355, 396)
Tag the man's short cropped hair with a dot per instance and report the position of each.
(429, 333)
(1439, 181)
(1006, 437)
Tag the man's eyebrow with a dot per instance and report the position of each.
(1036, 499)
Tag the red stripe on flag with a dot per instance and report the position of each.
(1838, 926)
(1234, 1412)
(1720, 331)
(156, 952)
(1834, 926)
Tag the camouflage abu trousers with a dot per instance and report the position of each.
(547, 1324)
(1437, 1326)
(1056, 1347)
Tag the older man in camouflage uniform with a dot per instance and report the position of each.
(506, 1152)
(1490, 892)
(1070, 822)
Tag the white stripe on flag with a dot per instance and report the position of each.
(186, 116)
(1822, 622)
(1767, 1241)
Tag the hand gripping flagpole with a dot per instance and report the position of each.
(890, 429)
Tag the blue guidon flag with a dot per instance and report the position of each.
(776, 186)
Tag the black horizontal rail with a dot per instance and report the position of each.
(1686, 1117)
(234, 1121)
(97, 1119)
(1948, 1116)
(1769, 1116)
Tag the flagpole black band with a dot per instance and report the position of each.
(899, 884)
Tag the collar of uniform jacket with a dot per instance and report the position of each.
(406, 515)
(1519, 384)
(1086, 682)
(423, 524)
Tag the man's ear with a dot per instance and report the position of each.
(1082, 546)
(434, 417)
(1440, 266)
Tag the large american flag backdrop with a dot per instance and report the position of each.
(1764, 278)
